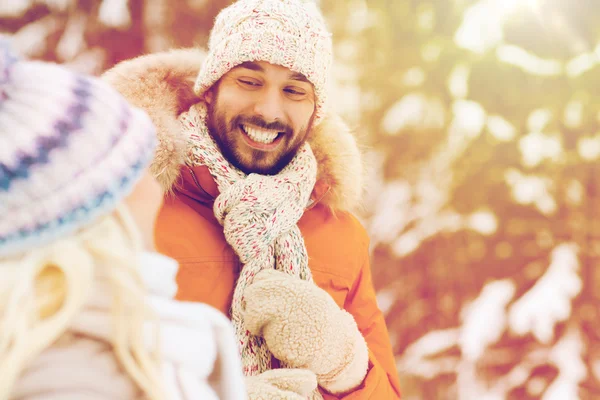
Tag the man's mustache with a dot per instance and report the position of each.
(261, 123)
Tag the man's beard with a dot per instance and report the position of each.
(224, 135)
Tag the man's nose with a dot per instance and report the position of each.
(270, 106)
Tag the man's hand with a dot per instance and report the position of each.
(303, 326)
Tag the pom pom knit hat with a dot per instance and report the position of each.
(290, 33)
(71, 148)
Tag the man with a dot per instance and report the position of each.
(261, 181)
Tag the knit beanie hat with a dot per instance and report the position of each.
(71, 148)
(289, 33)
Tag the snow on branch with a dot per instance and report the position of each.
(417, 359)
(484, 320)
(548, 302)
(115, 14)
(566, 355)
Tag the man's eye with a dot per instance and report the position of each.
(248, 83)
(294, 92)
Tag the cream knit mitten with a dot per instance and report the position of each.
(281, 384)
(304, 327)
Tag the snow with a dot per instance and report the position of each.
(467, 124)
(407, 243)
(72, 41)
(484, 320)
(349, 101)
(414, 110)
(531, 189)
(537, 147)
(58, 5)
(567, 355)
(469, 119)
(484, 222)
(500, 128)
(426, 18)
(574, 193)
(426, 228)
(433, 342)
(581, 64)
(90, 61)
(430, 52)
(14, 8)
(198, 5)
(538, 119)
(596, 369)
(30, 40)
(573, 116)
(589, 147)
(416, 359)
(458, 82)
(361, 17)
(481, 28)
(386, 299)
(345, 50)
(392, 205)
(528, 62)
(115, 14)
(548, 302)
(414, 77)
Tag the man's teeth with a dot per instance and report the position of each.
(260, 135)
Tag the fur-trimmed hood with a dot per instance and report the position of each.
(162, 84)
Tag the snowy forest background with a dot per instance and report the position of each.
(482, 120)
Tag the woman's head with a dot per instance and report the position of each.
(76, 205)
(71, 149)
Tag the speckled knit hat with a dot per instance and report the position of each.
(71, 148)
(290, 33)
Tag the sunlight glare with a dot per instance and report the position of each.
(481, 28)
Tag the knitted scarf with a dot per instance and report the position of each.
(259, 215)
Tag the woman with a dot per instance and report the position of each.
(86, 306)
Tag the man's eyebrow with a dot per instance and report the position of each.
(250, 65)
(297, 76)
(294, 76)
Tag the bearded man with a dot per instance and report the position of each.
(261, 179)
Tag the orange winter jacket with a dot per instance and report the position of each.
(187, 230)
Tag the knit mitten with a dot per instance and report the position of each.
(281, 384)
(304, 327)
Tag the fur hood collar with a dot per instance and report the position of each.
(162, 84)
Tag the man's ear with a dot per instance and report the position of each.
(209, 95)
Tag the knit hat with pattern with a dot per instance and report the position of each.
(71, 148)
(290, 33)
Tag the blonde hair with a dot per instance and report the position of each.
(42, 291)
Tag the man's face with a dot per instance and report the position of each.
(260, 114)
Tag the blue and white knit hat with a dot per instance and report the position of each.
(71, 148)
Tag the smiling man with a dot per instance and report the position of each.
(260, 114)
(261, 180)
